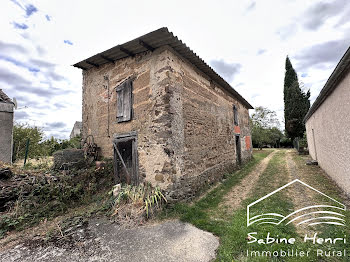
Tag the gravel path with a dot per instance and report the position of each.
(168, 241)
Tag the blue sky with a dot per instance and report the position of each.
(244, 41)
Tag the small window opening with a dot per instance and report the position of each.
(124, 101)
(235, 115)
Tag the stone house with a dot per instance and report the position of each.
(76, 131)
(328, 125)
(6, 127)
(164, 115)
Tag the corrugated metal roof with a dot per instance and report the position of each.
(151, 41)
(4, 98)
(331, 84)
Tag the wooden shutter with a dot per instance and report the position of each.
(235, 115)
(124, 101)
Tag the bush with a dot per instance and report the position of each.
(38, 147)
(133, 204)
(303, 141)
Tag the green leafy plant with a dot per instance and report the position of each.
(303, 141)
(142, 199)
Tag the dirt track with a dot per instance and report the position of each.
(241, 191)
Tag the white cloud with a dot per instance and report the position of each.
(234, 32)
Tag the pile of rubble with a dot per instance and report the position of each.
(13, 186)
(26, 197)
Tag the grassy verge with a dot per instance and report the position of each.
(319, 179)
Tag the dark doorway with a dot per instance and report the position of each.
(238, 150)
(125, 159)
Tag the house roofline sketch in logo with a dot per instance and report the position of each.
(331, 217)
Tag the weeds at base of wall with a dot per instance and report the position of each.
(130, 205)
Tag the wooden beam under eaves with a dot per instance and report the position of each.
(145, 45)
(107, 58)
(126, 51)
(91, 63)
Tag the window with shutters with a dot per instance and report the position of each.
(124, 101)
(235, 115)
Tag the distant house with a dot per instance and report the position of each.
(76, 131)
(328, 125)
(164, 115)
(6, 127)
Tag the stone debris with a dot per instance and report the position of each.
(5, 173)
(116, 189)
(312, 163)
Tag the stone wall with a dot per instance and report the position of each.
(203, 137)
(150, 118)
(6, 127)
(69, 158)
(184, 122)
(328, 134)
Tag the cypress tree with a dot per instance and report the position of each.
(296, 103)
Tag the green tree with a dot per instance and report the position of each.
(21, 132)
(296, 103)
(265, 127)
(52, 145)
(275, 135)
(38, 146)
(259, 135)
(265, 117)
(75, 142)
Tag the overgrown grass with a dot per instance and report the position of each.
(41, 163)
(43, 200)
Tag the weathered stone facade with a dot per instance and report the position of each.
(202, 128)
(6, 128)
(184, 122)
(76, 130)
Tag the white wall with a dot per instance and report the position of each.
(328, 134)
